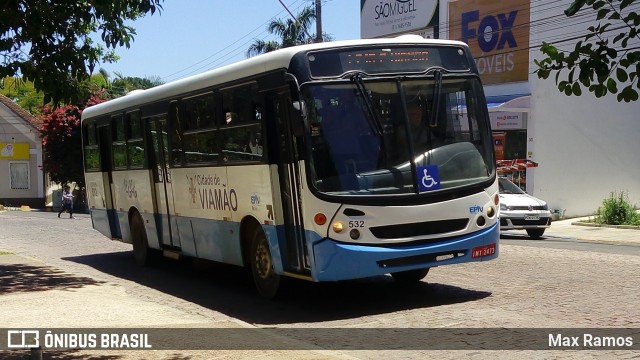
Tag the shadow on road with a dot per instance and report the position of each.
(229, 290)
(517, 236)
(21, 278)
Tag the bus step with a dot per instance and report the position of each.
(171, 254)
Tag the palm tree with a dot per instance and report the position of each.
(292, 32)
(121, 85)
(261, 47)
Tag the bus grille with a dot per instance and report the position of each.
(522, 222)
(419, 229)
(421, 259)
(528, 208)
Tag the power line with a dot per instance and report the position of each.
(536, 27)
(233, 49)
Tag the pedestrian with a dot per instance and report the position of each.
(67, 201)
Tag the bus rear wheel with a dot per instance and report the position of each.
(266, 280)
(140, 243)
(410, 276)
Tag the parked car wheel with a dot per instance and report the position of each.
(535, 233)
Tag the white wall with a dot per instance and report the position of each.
(586, 147)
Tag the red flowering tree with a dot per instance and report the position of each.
(62, 143)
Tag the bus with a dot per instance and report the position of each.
(323, 162)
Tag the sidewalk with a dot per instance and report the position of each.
(578, 228)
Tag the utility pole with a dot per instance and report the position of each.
(294, 18)
(318, 21)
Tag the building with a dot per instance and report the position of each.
(584, 147)
(21, 173)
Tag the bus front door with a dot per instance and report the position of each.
(104, 138)
(297, 258)
(166, 225)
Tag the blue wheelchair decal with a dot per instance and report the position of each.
(428, 178)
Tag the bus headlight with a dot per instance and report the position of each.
(337, 227)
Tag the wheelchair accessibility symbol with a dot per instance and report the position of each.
(428, 178)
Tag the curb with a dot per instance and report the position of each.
(588, 224)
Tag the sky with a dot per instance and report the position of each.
(192, 36)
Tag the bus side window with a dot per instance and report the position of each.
(199, 130)
(241, 130)
(135, 143)
(91, 147)
(119, 142)
(175, 134)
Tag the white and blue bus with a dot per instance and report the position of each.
(323, 162)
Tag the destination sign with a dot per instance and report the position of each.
(387, 60)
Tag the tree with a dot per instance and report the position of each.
(60, 126)
(61, 140)
(23, 93)
(605, 57)
(49, 42)
(122, 85)
(291, 32)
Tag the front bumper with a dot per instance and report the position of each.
(519, 222)
(339, 261)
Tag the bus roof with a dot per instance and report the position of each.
(278, 59)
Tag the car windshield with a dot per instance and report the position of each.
(507, 187)
(391, 137)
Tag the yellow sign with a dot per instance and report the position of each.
(497, 32)
(14, 151)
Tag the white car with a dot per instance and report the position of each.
(521, 211)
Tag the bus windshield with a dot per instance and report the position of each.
(389, 136)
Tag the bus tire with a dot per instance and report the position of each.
(266, 280)
(139, 239)
(410, 276)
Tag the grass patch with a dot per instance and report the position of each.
(6, 252)
(617, 210)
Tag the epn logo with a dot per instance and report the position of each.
(492, 33)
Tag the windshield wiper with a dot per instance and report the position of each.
(437, 93)
(373, 118)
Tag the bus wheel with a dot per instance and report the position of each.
(266, 280)
(140, 243)
(410, 276)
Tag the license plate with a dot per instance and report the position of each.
(485, 250)
(532, 217)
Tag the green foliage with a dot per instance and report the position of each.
(62, 142)
(292, 32)
(121, 85)
(23, 93)
(603, 59)
(616, 210)
(49, 43)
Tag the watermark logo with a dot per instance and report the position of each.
(23, 339)
(76, 339)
